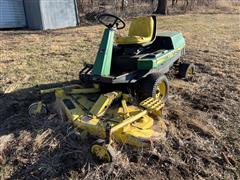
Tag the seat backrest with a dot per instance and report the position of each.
(143, 26)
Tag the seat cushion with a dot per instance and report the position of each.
(141, 31)
(132, 40)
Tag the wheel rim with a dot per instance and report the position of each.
(37, 108)
(101, 152)
(161, 90)
(190, 71)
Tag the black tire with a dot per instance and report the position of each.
(111, 154)
(148, 86)
(34, 106)
(186, 70)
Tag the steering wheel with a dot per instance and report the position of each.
(105, 18)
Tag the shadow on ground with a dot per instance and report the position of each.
(44, 146)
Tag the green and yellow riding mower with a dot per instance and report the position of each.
(105, 105)
(137, 63)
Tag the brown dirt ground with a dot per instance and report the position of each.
(202, 115)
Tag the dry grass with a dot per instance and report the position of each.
(202, 115)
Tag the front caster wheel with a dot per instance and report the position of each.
(37, 108)
(102, 152)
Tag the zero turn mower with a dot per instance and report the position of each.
(105, 105)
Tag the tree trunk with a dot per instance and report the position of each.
(162, 7)
(123, 4)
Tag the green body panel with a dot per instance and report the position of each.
(102, 65)
(156, 59)
(177, 38)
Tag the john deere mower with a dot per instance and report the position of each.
(137, 63)
(120, 97)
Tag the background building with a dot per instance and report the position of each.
(38, 14)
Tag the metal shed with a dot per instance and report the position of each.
(49, 14)
(38, 14)
(12, 14)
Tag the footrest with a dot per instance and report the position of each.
(152, 104)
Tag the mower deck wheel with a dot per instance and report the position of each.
(102, 152)
(154, 85)
(37, 108)
(186, 70)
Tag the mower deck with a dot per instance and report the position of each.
(111, 117)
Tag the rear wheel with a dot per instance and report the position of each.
(154, 85)
(186, 70)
